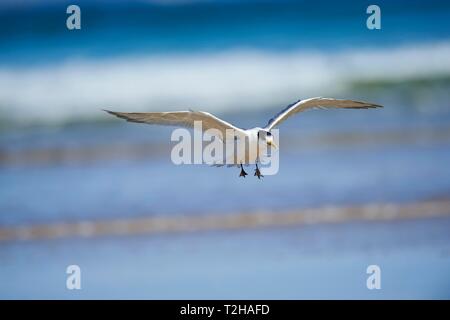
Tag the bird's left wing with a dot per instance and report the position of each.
(181, 119)
(324, 103)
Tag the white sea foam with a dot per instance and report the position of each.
(233, 80)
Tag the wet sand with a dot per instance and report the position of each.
(302, 262)
(231, 221)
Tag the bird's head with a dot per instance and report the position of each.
(267, 137)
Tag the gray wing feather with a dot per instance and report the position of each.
(313, 103)
(180, 119)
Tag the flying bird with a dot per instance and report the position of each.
(255, 135)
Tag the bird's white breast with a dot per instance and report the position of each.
(247, 151)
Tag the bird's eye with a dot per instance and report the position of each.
(269, 134)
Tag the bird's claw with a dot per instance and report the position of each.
(258, 173)
(243, 173)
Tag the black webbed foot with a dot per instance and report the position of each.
(258, 173)
(243, 173)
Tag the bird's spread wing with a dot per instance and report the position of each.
(182, 119)
(322, 103)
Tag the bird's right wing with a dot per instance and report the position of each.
(322, 103)
(184, 119)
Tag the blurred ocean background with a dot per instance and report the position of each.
(80, 187)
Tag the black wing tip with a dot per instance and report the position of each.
(374, 106)
(363, 104)
(366, 105)
(123, 115)
(116, 113)
(109, 111)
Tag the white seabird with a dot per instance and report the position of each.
(255, 135)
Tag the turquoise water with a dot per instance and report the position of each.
(35, 34)
(219, 56)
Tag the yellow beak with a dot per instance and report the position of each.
(271, 143)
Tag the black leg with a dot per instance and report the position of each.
(243, 173)
(257, 172)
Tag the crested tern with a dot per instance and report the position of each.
(254, 135)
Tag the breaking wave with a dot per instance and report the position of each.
(217, 82)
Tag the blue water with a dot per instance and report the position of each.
(310, 175)
(38, 34)
(38, 66)
(314, 178)
(319, 261)
(327, 262)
